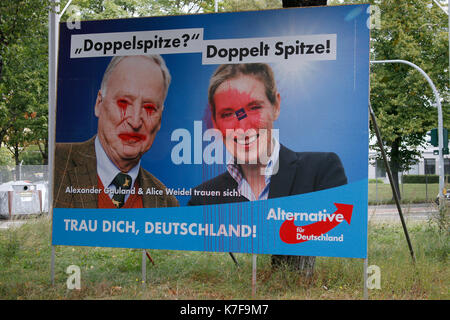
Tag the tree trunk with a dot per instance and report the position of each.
(395, 166)
(17, 161)
(304, 264)
(44, 153)
(16, 154)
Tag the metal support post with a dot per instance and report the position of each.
(391, 180)
(53, 20)
(253, 275)
(53, 35)
(144, 267)
(52, 266)
(366, 291)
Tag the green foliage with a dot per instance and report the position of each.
(416, 31)
(113, 9)
(31, 156)
(24, 75)
(5, 157)
(409, 192)
(18, 19)
(236, 5)
(400, 96)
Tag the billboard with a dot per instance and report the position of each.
(236, 132)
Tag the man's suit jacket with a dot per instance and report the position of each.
(298, 172)
(76, 166)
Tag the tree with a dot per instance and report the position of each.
(17, 21)
(416, 31)
(113, 9)
(23, 86)
(236, 5)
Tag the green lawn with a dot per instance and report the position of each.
(108, 273)
(410, 193)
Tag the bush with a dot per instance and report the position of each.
(416, 178)
(376, 181)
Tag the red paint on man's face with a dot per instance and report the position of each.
(128, 135)
(150, 108)
(130, 112)
(132, 137)
(246, 137)
(123, 105)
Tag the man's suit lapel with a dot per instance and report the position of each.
(84, 173)
(281, 183)
(229, 181)
(146, 183)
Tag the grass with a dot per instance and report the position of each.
(111, 273)
(381, 193)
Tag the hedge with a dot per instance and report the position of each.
(416, 178)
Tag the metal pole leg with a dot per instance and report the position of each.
(366, 293)
(253, 275)
(234, 259)
(52, 266)
(391, 180)
(144, 267)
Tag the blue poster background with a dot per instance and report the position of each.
(324, 107)
(126, 228)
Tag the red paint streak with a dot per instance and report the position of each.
(232, 98)
(123, 105)
(227, 102)
(150, 108)
(132, 137)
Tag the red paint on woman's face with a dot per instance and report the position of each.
(247, 139)
(129, 114)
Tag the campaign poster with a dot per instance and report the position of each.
(228, 132)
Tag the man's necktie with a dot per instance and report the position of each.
(122, 181)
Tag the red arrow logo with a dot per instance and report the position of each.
(290, 233)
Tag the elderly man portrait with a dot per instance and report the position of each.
(105, 171)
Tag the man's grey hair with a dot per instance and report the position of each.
(153, 57)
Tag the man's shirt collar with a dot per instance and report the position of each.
(107, 170)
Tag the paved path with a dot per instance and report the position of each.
(411, 212)
(6, 224)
